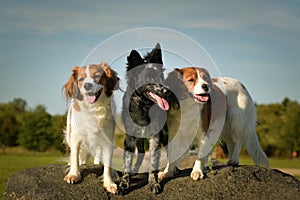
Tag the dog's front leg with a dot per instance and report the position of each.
(171, 168)
(84, 156)
(108, 184)
(74, 175)
(141, 154)
(199, 168)
(129, 146)
(154, 186)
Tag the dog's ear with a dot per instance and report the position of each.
(175, 82)
(109, 79)
(134, 59)
(155, 56)
(207, 76)
(178, 71)
(174, 78)
(157, 46)
(70, 88)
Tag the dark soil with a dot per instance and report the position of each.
(224, 182)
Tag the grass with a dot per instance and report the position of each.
(274, 162)
(15, 161)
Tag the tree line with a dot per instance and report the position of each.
(279, 128)
(34, 129)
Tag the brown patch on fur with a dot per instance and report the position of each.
(215, 80)
(189, 77)
(109, 79)
(70, 87)
(76, 106)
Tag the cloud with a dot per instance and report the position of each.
(81, 16)
(243, 16)
(53, 19)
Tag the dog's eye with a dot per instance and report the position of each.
(97, 77)
(190, 80)
(81, 79)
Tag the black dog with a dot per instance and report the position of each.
(144, 114)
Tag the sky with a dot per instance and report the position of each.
(256, 42)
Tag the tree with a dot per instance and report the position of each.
(19, 105)
(58, 125)
(279, 127)
(9, 121)
(290, 130)
(8, 129)
(269, 126)
(36, 130)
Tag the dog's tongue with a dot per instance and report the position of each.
(203, 98)
(162, 103)
(90, 98)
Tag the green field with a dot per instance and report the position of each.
(274, 162)
(12, 162)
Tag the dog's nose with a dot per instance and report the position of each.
(87, 86)
(205, 87)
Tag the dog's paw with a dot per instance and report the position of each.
(111, 187)
(123, 187)
(197, 175)
(124, 184)
(233, 163)
(164, 175)
(153, 185)
(171, 173)
(161, 175)
(72, 178)
(154, 188)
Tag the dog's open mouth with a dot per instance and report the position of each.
(92, 97)
(161, 102)
(203, 98)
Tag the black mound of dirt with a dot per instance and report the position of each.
(224, 182)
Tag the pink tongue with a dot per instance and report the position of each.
(90, 98)
(203, 98)
(162, 103)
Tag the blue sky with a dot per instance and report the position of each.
(257, 42)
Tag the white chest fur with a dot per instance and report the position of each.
(93, 124)
(185, 126)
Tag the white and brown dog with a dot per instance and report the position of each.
(208, 105)
(90, 122)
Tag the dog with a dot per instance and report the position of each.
(213, 107)
(144, 114)
(90, 122)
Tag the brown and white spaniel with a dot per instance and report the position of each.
(205, 105)
(90, 122)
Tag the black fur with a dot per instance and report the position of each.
(142, 117)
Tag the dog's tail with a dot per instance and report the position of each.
(251, 141)
(254, 149)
